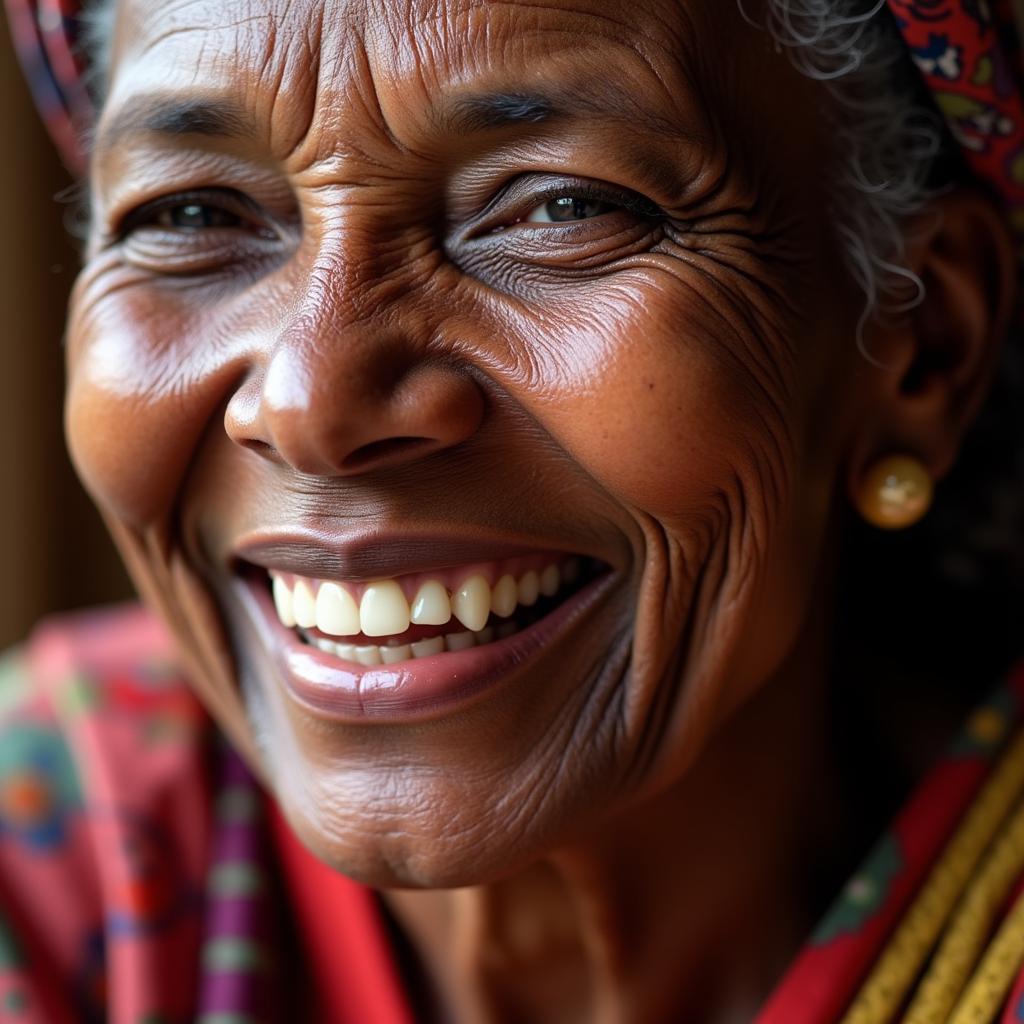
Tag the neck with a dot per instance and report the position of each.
(695, 899)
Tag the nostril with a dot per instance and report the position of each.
(383, 451)
(259, 447)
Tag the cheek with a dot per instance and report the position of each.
(649, 393)
(140, 395)
(695, 420)
(119, 448)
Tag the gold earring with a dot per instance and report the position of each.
(896, 492)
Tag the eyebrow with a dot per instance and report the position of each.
(465, 115)
(148, 115)
(470, 114)
(494, 111)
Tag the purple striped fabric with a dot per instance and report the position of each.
(238, 976)
(45, 34)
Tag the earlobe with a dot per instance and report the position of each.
(938, 359)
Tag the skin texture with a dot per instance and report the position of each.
(370, 339)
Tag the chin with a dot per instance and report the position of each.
(441, 767)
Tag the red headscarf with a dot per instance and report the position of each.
(969, 55)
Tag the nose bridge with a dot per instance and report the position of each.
(352, 278)
(350, 380)
(322, 366)
(357, 316)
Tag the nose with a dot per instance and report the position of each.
(338, 403)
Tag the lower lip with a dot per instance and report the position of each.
(421, 688)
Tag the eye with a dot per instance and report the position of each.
(197, 232)
(194, 217)
(189, 213)
(568, 208)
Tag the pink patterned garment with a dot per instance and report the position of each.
(138, 881)
(101, 763)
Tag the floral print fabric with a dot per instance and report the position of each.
(102, 759)
(139, 882)
(968, 52)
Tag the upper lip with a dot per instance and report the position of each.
(378, 554)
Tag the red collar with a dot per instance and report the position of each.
(353, 971)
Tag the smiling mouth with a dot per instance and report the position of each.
(401, 619)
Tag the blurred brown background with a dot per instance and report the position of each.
(53, 550)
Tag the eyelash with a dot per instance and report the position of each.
(631, 202)
(511, 207)
(228, 201)
(236, 205)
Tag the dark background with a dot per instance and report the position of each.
(54, 553)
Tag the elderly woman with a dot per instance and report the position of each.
(482, 396)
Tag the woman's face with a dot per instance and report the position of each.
(399, 291)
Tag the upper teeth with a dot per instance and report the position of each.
(382, 608)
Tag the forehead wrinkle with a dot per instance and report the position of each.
(375, 51)
(463, 44)
(443, 10)
(140, 29)
(309, 43)
(337, 107)
(528, 14)
(263, 60)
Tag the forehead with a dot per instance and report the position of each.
(406, 33)
(302, 60)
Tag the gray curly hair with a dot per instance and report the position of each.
(890, 136)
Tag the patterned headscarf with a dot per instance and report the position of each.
(968, 53)
(45, 34)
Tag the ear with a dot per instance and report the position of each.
(935, 363)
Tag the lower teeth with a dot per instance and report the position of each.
(390, 654)
(394, 652)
